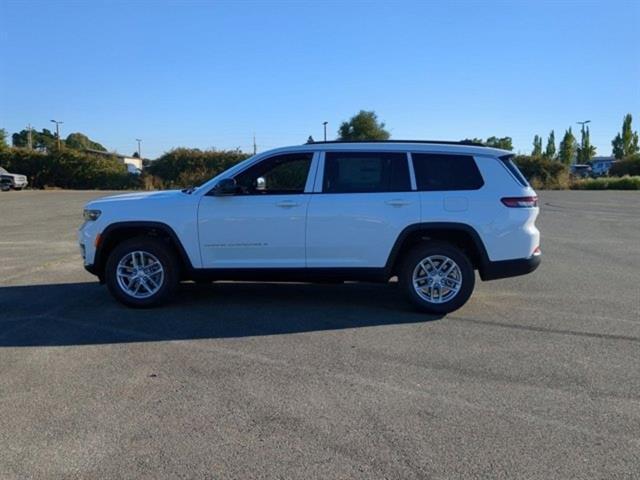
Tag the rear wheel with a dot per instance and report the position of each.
(437, 277)
(141, 272)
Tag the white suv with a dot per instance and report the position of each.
(428, 213)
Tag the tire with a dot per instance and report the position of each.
(139, 255)
(451, 295)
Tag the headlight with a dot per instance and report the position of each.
(91, 215)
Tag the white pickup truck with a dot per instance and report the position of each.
(12, 180)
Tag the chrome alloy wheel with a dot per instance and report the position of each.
(437, 279)
(140, 274)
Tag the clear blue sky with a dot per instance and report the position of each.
(210, 74)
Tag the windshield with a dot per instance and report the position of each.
(2, 170)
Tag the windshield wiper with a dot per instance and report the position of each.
(189, 190)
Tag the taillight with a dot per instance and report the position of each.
(520, 202)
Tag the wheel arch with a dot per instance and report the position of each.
(460, 235)
(117, 232)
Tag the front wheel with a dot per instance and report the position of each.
(437, 277)
(141, 272)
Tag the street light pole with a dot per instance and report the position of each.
(324, 124)
(139, 154)
(582, 133)
(583, 123)
(58, 123)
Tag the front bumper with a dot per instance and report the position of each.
(91, 269)
(510, 268)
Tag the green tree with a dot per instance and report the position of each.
(505, 143)
(537, 146)
(79, 141)
(568, 148)
(550, 150)
(363, 126)
(472, 140)
(586, 151)
(44, 140)
(625, 143)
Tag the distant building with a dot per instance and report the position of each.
(134, 164)
(601, 165)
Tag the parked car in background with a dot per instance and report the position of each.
(15, 181)
(428, 213)
(5, 185)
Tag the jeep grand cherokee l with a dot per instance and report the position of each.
(428, 213)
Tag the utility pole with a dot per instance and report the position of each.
(57, 131)
(139, 154)
(29, 137)
(324, 124)
(255, 147)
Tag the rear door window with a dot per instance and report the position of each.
(365, 172)
(437, 172)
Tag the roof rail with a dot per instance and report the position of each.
(441, 142)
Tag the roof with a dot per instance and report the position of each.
(437, 142)
(398, 145)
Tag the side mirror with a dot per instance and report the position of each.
(225, 187)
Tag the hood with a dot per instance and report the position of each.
(136, 196)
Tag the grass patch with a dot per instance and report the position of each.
(607, 183)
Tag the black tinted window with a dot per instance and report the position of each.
(446, 172)
(362, 172)
(507, 160)
(282, 174)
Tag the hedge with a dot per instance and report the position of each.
(628, 166)
(68, 169)
(607, 183)
(542, 172)
(183, 167)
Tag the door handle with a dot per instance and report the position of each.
(287, 204)
(397, 202)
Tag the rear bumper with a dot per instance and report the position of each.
(510, 268)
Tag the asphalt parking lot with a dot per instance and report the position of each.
(536, 377)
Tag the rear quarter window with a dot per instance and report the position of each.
(436, 172)
(508, 162)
